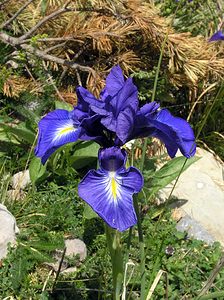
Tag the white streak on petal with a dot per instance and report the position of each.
(64, 130)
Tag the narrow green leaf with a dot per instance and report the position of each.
(89, 213)
(84, 154)
(20, 132)
(36, 169)
(63, 105)
(169, 172)
(43, 7)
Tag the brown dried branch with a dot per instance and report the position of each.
(53, 15)
(15, 15)
(54, 47)
(46, 19)
(15, 42)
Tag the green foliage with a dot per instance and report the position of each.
(170, 171)
(145, 81)
(197, 16)
(36, 169)
(188, 268)
(85, 153)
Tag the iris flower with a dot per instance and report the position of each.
(113, 120)
(217, 36)
(109, 190)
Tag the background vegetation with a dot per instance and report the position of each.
(48, 47)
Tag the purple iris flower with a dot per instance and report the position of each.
(110, 189)
(118, 103)
(217, 36)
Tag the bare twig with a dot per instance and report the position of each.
(212, 277)
(52, 82)
(46, 19)
(78, 77)
(16, 14)
(41, 54)
(59, 39)
(54, 47)
(65, 70)
(59, 269)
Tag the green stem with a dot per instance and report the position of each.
(142, 248)
(114, 244)
(214, 295)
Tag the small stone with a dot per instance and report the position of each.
(69, 270)
(75, 247)
(20, 180)
(8, 230)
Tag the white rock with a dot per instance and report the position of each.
(69, 270)
(20, 180)
(8, 230)
(200, 191)
(75, 247)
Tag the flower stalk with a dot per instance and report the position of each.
(115, 248)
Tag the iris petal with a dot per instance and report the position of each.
(217, 36)
(55, 129)
(175, 132)
(84, 96)
(114, 81)
(110, 195)
(112, 159)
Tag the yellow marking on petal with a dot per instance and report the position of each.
(114, 187)
(65, 130)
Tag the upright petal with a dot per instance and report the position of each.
(112, 159)
(125, 124)
(118, 114)
(85, 98)
(55, 129)
(127, 97)
(114, 81)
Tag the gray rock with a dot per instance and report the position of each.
(69, 270)
(194, 229)
(8, 230)
(75, 247)
(201, 192)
